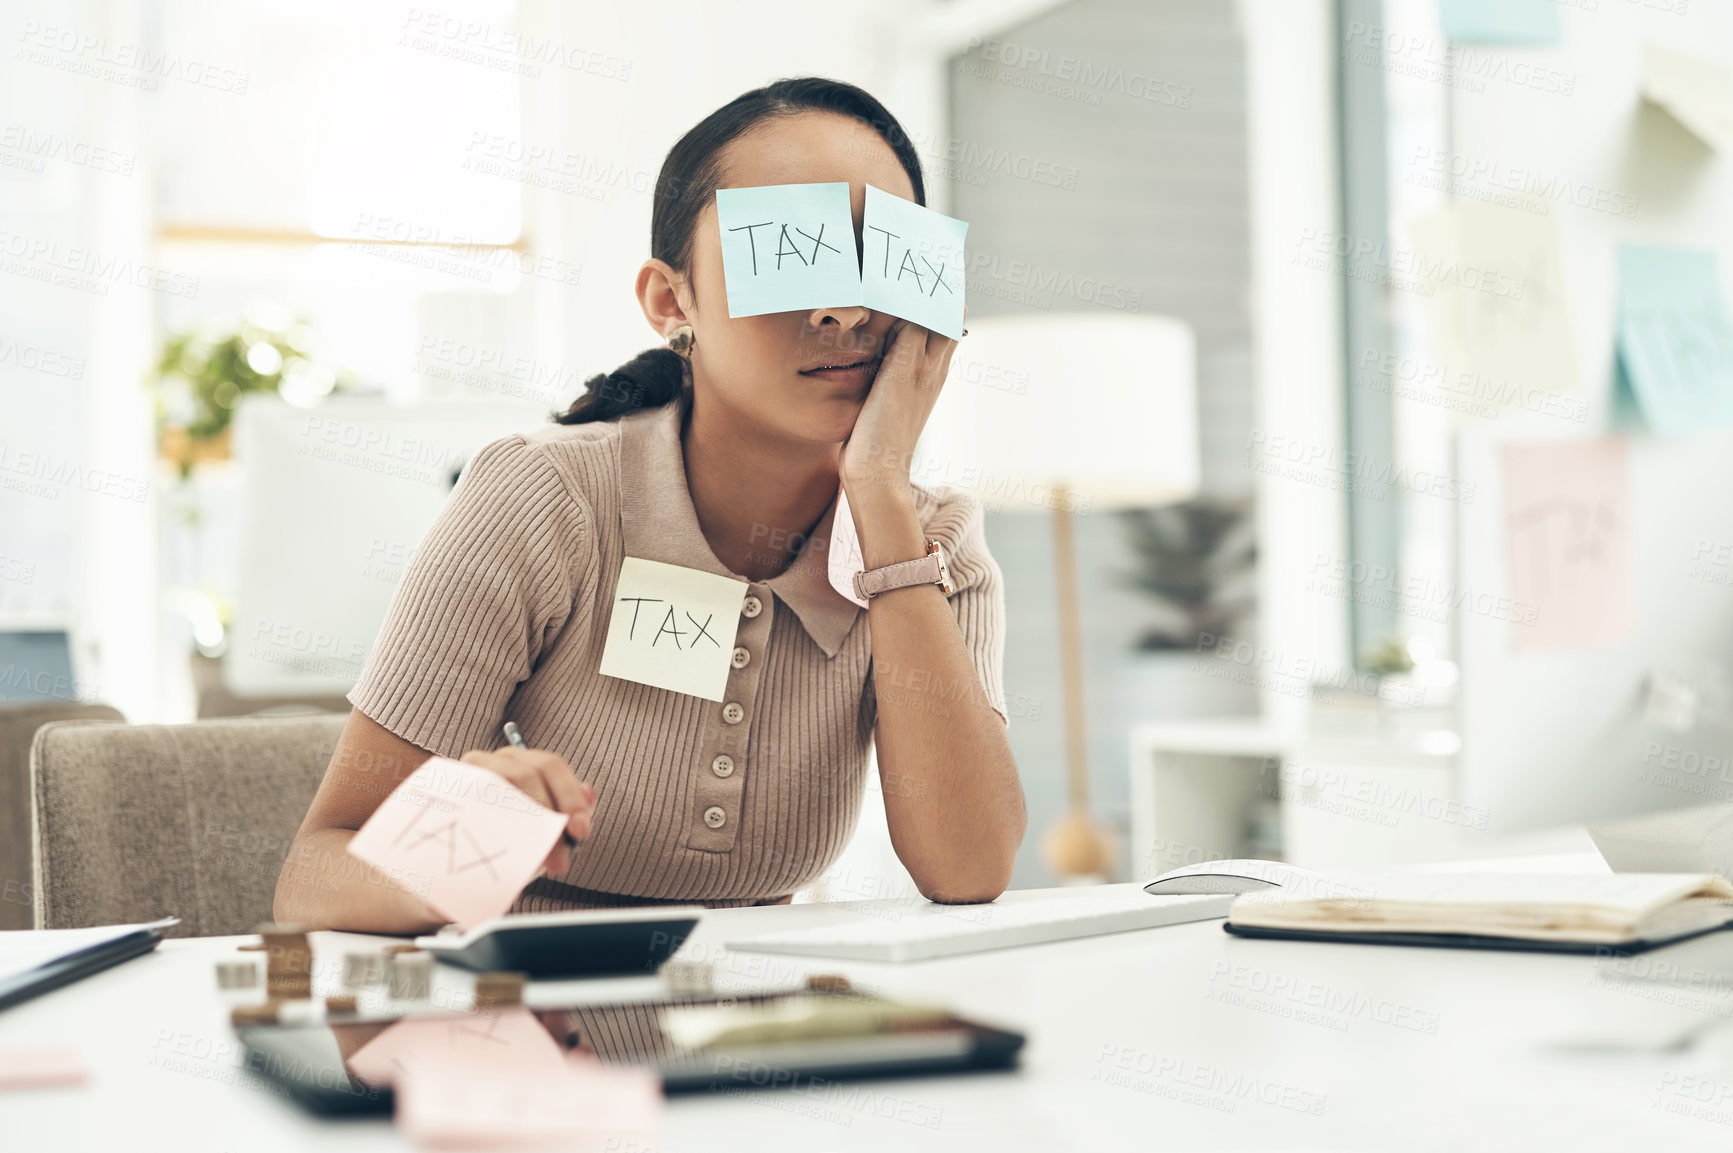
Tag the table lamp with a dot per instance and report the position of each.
(1078, 413)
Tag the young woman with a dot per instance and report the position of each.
(724, 452)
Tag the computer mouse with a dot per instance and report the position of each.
(1233, 876)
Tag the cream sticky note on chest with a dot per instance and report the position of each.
(673, 627)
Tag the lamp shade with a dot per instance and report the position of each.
(1103, 405)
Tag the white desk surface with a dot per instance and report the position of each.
(1145, 1040)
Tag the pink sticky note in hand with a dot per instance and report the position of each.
(446, 1102)
(460, 837)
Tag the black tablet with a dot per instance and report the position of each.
(312, 1062)
(590, 943)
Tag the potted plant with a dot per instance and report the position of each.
(200, 376)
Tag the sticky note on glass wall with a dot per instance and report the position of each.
(788, 247)
(1500, 21)
(912, 262)
(1675, 337)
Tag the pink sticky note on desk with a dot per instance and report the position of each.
(41, 1068)
(509, 1037)
(460, 837)
(581, 1105)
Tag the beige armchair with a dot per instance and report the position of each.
(19, 721)
(135, 822)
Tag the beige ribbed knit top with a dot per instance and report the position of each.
(503, 614)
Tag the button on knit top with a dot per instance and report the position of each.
(503, 614)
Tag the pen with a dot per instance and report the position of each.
(516, 740)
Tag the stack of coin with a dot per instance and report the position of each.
(502, 988)
(288, 962)
(237, 975)
(265, 1014)
(363, 970)
(828, 983)
(409, 973)
(688, 978)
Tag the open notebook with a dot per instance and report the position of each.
(1561, 912)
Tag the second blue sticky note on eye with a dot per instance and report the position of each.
(787, 247)
(913, 263)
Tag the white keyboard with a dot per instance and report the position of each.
(915, 930)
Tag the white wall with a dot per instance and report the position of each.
(77, 448)
(1297, 329)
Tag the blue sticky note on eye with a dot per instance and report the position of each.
(1675, 339)
(912, 262)
(787, 247)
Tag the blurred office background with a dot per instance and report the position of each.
(1385, 238)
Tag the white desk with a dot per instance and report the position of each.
(1140, 1040)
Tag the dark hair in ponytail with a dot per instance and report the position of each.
(690, 176)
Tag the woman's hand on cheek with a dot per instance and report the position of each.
(882, 446)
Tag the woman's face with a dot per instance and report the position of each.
(770, 370)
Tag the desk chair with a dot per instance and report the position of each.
(19, 721)
(135, 822)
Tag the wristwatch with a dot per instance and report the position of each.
(927, 570)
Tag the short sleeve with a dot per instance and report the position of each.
(956, 520)
(491, 583)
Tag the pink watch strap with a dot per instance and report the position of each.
(929, 569)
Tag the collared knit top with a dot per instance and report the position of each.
(503, 615)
